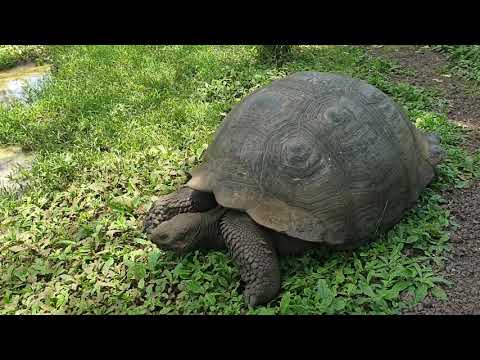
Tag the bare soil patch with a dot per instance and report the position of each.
(463, 266)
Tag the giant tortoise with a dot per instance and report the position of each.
(312, 158)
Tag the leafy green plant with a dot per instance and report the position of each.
(120, 125)
(464, 59)
(276, 54)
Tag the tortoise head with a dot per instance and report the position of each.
(180, 234)
(434, 151)
(188, 231)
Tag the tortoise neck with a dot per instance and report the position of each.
(210, 237)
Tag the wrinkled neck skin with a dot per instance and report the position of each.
(428, 172)
(209, 236)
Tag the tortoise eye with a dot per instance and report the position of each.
(436, 150)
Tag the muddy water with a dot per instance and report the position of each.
(14, 86)
(12, 159)
(15, 82)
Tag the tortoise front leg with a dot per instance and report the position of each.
(184, 200)
(254, 254)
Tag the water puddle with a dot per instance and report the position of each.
(12, 159)
(16, 82)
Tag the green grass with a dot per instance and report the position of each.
(120, 125)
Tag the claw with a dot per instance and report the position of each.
(250, 300)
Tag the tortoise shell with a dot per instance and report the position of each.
(317, 156)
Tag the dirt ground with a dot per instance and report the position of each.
(463, 108)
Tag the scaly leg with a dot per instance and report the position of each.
(254, 253)
(184, 200)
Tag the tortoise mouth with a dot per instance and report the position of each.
(179, 234)
(179, 245)
(437, 154)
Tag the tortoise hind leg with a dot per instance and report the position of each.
(289, 246)
(254, 254)
(182, 201)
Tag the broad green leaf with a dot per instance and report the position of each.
(284, 303)
(195, 287)
(420, 293)
(439, 293)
